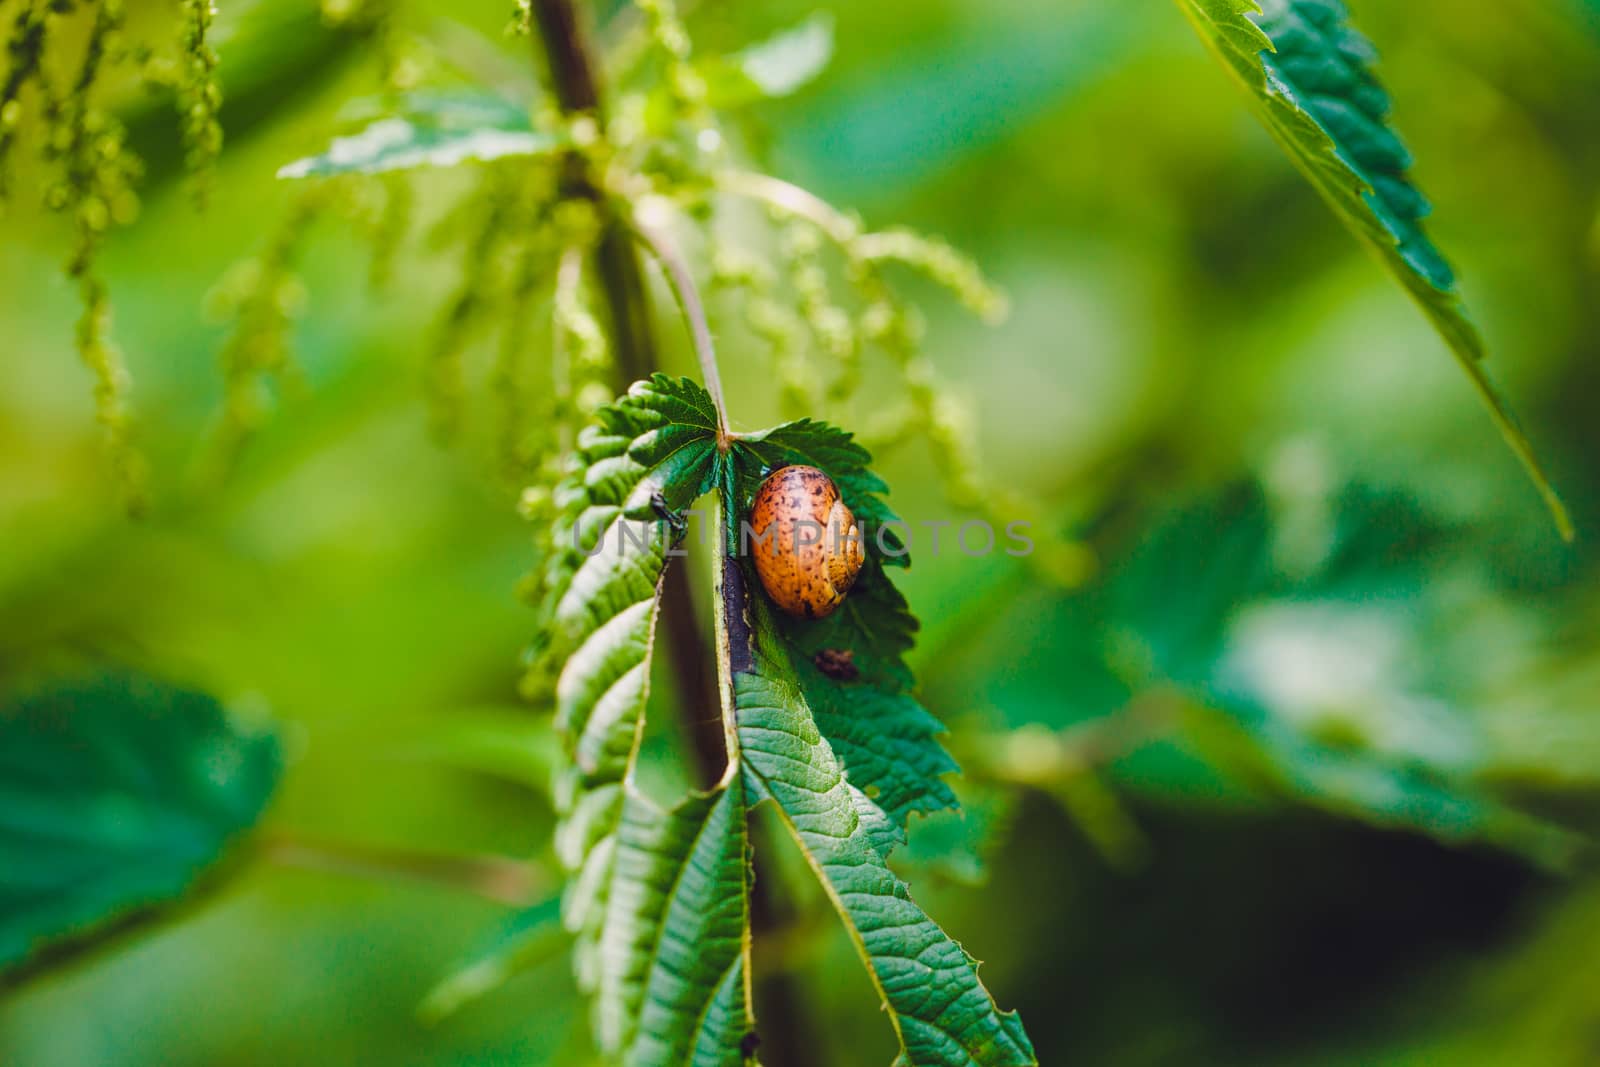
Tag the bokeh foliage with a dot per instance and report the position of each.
(1188, 866)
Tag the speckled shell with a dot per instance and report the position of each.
(805, 574)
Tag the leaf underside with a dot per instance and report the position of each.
(1309, 72)
(659, 898)
(429, 130)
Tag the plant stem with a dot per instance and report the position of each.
(514, 883)
(616, 262)
(574, 79)
(564, 49)
(689, 301)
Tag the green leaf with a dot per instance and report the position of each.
(1310, 75)
(886, 740)
(401, 144)
(942, 1014)
(776, 67)
(658, 899)
(116, 795)
(1306, 628)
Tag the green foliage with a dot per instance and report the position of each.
(659, 898)
(1221, 621)
(940, 1011)
(1303, 642)
(1309, 74)
(90, 173)
(776, 67)
(199, 97)
(116, 795)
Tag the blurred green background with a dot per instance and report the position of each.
(1306, 774)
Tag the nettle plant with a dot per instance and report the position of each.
(571, 195)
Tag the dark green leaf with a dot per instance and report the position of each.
(886, 740)
(116, 795)
(659, 899)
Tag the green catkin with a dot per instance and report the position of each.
(583, 357)
(830, 325)
(521, 19)
(939, 263)
(526, 433)
(389, 228)
(25, 47)
(263, 296)
(772, 322)
(199, 97)
(95, 191)
(888, 323)
(519, 439)
(685, 84)
(444, 372)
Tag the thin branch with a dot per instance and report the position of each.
(683, 287)
(617, 264)
(515, 883)
(563, 47)
(576, 86)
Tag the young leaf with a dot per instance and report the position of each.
(116, 795)
(399, 144)
(1309, 72)
(659, 899)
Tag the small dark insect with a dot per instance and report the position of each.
(674, 519)
(838, 664)
(749, 1043)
